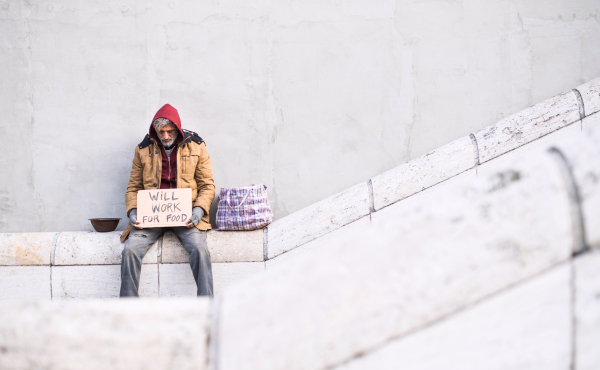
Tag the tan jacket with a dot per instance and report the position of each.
(194, 171)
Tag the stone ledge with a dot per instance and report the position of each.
(224, 246)
(423, 172)
(81, 248)
(527, 125)
(590, 93)
(318, 219)
(92, 248)
(26, 249)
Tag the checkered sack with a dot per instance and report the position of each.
(244, 208)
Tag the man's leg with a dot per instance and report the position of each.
(194, 241)
(136, 246)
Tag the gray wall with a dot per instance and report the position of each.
(308, 97)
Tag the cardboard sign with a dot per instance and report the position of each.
(164, 208)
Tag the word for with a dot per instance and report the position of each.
(164, 218)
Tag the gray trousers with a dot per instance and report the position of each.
(138, 243)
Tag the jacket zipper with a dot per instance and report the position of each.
(157, 174)
(169, 160)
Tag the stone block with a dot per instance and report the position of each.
(423, 172)
(93, 282)
(527, 125)
(587, 310)
(526, 327)
(224, 246)
(226, 274)
(177, 280)
(461, 242)
(92, 248)
(105, 334)
(590, 93)
(26, 249)
(318, 219)
(360, 225)
(18, 283)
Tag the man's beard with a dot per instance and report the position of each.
(167, 144)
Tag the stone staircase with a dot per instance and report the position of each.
(480, 254)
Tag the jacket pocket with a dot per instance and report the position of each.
(188, 166)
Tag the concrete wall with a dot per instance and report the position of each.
(308, 97)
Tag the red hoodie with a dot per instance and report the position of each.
(168, 179)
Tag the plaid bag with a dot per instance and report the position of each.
(244, 208)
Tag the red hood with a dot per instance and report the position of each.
(170, 113)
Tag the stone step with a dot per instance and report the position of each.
(420, 260)
(107, 334)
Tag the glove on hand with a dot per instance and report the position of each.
(197, 214)
(133, 217)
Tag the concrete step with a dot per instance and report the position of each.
(420, 260)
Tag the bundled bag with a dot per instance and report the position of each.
(244, 208)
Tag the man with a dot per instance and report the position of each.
(169, 158)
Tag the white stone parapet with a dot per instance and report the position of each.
(86, 265)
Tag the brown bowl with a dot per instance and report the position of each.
(103, 225)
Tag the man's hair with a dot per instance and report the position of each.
(160, 123)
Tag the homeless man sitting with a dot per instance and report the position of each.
(169, 158)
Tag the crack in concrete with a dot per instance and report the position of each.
(580, 102)
(578, 224)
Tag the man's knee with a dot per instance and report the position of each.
(199, 245)
(135, 244)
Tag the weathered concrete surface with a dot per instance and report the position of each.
(26, 249)
(92, 248)
(93, 282)
(176, 280)
(113, 334)
(360, 225)
(527, 125)
(224, 246)
(423, 172)
(583, 155)
(286, 85)
(590, 93)
(24, 283)
(226, 274)
(526, 327)
(458, 245)
(587, 310)
(317, 220)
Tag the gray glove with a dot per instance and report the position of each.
(197, 214)
(133, 217)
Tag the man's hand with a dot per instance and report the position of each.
(133, 219)
(197, 214)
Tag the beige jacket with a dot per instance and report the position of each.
(194, 171)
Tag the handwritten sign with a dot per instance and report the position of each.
(164, 208)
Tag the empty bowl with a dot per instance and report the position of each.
(103, 225)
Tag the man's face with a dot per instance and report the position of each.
(167, 134)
